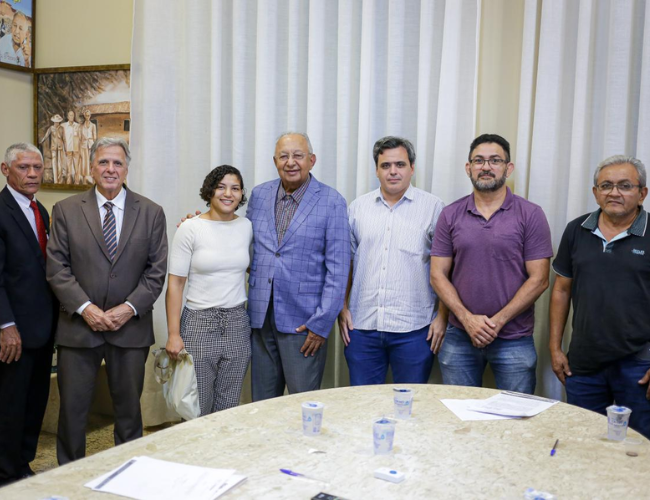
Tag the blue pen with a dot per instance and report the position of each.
(298, 474)
(554, 446)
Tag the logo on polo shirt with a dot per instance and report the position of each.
(638, 252)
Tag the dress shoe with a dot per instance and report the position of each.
(7, 482)
(26, 471)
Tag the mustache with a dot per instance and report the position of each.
(488, 173)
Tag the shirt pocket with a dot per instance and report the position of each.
(413, 240)
(507, 247)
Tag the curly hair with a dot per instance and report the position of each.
(213, 179)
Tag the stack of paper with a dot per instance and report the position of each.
(460, 408)
(145, 478)
(502, 406)
(514, 404)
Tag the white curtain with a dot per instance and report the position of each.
(216, 82)
(584, 96)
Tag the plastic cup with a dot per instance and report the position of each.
(383, 432)
(617, 421)
(312, 417)
(403, 399)
(633, 446)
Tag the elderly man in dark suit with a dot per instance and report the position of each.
(107, 259)
(27, 312)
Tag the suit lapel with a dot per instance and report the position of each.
(131, 211)
(269, 208)
(306, 204)
(46, 217)
(91, 213)
(22, 222)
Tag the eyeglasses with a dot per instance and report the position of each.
(479, 162)
(623, 187)
(298, 156)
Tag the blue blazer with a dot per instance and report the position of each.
(309, 270)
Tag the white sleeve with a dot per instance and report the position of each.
(182, 249)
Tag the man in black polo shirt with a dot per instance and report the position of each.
(603, 266)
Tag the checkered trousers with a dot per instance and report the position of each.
(219, 340)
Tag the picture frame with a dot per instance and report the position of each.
(73, 107)
(17, 34)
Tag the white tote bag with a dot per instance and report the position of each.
(179, 383)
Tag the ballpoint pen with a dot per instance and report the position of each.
(298, 474)
(554, 447)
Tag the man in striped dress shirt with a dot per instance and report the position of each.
(390, 317)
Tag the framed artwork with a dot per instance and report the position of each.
(17, 34)
(73, 107)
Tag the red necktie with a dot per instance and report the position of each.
(40, 227)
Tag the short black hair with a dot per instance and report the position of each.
(497, 139)
(392, 142)
(213, 179)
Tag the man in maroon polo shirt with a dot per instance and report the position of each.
(489, 264)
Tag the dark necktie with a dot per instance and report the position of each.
(110, 233)
(40, 227)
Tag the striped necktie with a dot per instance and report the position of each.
(110, 233)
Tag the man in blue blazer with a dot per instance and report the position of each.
(299, 271)
(28, 312)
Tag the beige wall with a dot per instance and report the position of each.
(68, 33)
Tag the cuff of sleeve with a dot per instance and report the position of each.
(82, 307)
(135, 312)
(317, 331)
(7, 325)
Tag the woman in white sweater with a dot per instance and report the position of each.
(211, 254)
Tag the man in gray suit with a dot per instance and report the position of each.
(107, 260)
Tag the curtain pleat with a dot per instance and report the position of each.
(217, 82)
(584, 96)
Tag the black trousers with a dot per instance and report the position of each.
(24, 390)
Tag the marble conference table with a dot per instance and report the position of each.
(442, 456)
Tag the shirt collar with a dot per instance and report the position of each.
(506, 205)
(637, 228)
(119, 201)
(20, 198)
(298, 194)
(409, 194)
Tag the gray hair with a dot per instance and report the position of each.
(392, 142)
(301, 134)
(105, 142)
(20, 147)
(622, 160)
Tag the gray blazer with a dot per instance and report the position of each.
(79, 268)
